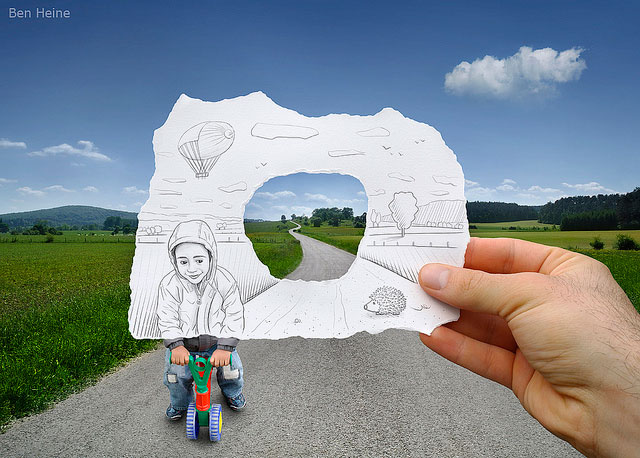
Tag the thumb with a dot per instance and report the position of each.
(506, 295)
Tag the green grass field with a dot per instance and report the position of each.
(71, 237)
(344, 237)
(63, 320)
(276, 249)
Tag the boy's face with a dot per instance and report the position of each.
(193, 261)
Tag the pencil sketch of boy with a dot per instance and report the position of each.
(198, 302)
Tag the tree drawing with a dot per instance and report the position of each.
(374, 217)
(404, 208)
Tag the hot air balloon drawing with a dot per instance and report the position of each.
(203, 144)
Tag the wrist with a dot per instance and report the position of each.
(616, 424)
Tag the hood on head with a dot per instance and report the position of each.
(195, 231)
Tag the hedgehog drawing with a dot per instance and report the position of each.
(386, 300)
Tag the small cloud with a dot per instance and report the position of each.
(6, 143)
(255, 205)
(86, 149)
(537, 188)
(7, 180)
(90, 189)
(509, 181)
(528, 72)
(27, 191)
(470, 184)
(590, 188)
(361, 193)
(317, 197)
(479, 192)
(276, 195)
(58, 188)
(134, 190)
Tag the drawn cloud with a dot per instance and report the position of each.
(401, 177)
(450, 181)
(273, 131)
(239, 186)
(375, 132)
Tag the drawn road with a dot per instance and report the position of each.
(368, 395)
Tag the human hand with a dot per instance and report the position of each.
(220, 358)
(555, 328)
(180, 356)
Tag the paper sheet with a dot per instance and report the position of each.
(195, 271)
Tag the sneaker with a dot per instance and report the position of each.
(237, 403)
(174, 414)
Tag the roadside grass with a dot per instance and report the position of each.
(275, 248)
(344, 237)
(63, 321)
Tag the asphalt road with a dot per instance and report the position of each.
(319, 260)
(368, 395)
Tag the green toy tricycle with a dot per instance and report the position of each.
(202, 412)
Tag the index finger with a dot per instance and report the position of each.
(508, 256)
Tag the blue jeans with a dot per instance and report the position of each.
(180, 381)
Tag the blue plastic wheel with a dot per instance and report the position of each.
(215, 422)
(193, 425)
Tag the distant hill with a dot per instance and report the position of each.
(73, 215)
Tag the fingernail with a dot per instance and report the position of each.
(434, 276)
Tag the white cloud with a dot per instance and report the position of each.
(470, 184)
(57, 188)
(7, 180)
(361, 193)
(527, 72)
(255, 205)
(90, 189)
(276, 195)
(134, 190)
(6, 143)
(537, 188)
(590, 188)
(27, 191)
(480, 192)
(505, 187)
(329, 201)
(86, 149)
(509, 181)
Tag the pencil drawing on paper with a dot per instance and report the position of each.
(195, 270)
(203, 144)
(386, 300)
(198, 296)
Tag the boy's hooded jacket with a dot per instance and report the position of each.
(210, 308)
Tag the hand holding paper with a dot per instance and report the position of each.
(554, 327)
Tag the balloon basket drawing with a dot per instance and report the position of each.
(203, 413)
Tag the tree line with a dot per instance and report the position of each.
(115, 224)
(498, 212)
(601, 212)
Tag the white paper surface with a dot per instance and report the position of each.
(211, 157)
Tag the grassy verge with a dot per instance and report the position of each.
(274, 246)
(63, 320)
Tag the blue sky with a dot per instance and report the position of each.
(552, 111)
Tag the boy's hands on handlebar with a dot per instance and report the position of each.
(220, 358)
(180, 356)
